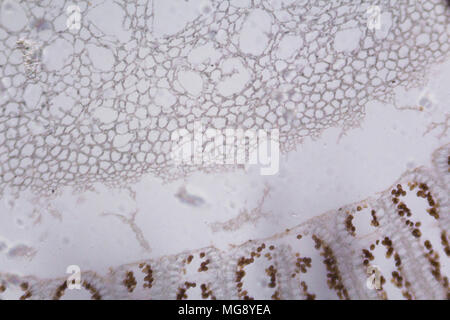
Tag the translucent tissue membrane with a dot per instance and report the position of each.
(97, 103)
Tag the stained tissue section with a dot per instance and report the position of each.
(87, 105)
(77, 107)
(327, 257)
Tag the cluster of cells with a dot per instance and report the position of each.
(327, 257)
(107, 109)
(83, 106)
